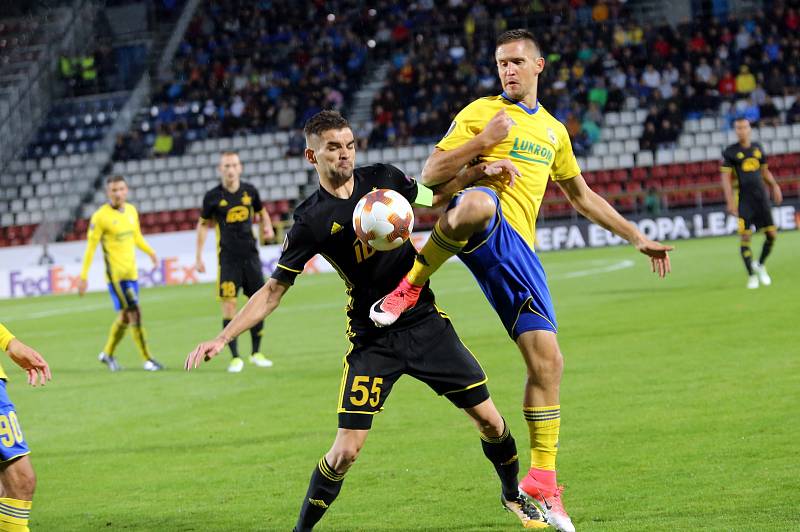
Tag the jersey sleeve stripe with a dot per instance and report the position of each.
(289, 269)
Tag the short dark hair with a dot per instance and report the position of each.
(324, 121)
(740, 118)
(517, 35)
(115, 179)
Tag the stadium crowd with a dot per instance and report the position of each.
(242, 70)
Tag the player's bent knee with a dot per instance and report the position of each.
(475, 209)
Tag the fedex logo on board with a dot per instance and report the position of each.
(55, 281)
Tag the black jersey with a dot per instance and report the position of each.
(323, 225)
(233, 212)
(745, 166)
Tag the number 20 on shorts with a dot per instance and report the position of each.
(363, 392)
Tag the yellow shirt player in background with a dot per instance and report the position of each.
(492, 227)
(17, 478)
(115, 226)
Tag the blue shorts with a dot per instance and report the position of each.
(12, 442)
(124, 294)
(509, 273)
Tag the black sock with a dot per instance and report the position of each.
(232, 344)
(502, 453)
(747, 257)
(766, 249)
(322, 491)
(255, 336)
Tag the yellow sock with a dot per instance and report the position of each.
(115, 336)
(14, 515)
(141, 344)
(544, 423)
(436, 250)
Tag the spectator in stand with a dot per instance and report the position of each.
(178, 139)
(652, 202)
(727, 85)
(769, 113)
(647, 142)
(745, 81)
(121, 151)
(666, 134)
(163, 143)
(793, 113)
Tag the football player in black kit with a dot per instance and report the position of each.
(232, 207)
(744, 172)
(422, 343)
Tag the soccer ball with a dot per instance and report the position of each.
(383, 219)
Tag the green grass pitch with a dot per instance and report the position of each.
(679, 403)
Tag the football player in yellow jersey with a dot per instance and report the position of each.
(17, 479)
(116, 226)
(492, 228)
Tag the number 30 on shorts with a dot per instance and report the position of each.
(362, 392)
(10, 431)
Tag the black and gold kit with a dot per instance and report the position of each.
(422, 343)
(233, 212)
(745, 165)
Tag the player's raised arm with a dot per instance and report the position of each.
(258, 307)
(444, 165)
(503, 169)
(594, 207)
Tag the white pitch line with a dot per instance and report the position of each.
(593, 271)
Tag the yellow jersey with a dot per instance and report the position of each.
(537, 144)
(119, 232)
(5, 339)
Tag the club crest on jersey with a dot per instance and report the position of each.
(552, 136)
(335, 228)
(246, 200)
(757, 153)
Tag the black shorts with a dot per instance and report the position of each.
(754, 213)
(236, 273)
(430, 352)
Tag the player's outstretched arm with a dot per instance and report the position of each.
(444, 165)
(503, 170)
(258, 307)
(598, 210)
(30, 360)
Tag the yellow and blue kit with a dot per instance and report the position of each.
(118, 232)
(502, 257)
(12, 442)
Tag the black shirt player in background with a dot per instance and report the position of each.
(422, 343)
(232, 207)
(744, 172)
